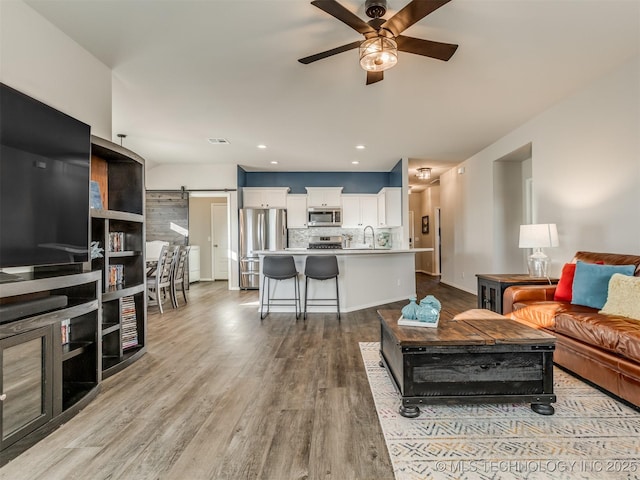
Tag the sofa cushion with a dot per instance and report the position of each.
(540, 314)
(629, 343)
(613, 333)
(624, 297)
(543, 314)
(591, 282)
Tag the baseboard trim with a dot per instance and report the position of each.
(459, 287)
(431, 274)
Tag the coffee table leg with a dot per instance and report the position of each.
(409, 411)
(543, 408)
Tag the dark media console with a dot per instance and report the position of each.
(56, 322)
(13, 311)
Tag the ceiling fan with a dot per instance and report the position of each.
(383, 39)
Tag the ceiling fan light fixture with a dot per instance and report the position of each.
(378, 54)
(424, 173)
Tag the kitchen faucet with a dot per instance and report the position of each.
(373, 236)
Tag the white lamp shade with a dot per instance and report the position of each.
(539, 235)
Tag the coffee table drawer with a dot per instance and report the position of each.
(477, 373)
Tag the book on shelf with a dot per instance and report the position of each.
(65, 330)
(116, 241)
(129, 322)
(116, 275)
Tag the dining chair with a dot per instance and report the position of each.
(178, 277)
(160, 281)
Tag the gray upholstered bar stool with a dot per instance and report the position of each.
(279, 267)
(321, 267)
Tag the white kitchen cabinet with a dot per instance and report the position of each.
(258, 197)
(390, 207)
(358, 211)
(324, 196)
(296, 211)
(369, 208)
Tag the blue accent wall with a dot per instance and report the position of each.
(395, 175)
(352, 182)
(242, 178)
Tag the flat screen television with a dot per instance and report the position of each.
(45, 158)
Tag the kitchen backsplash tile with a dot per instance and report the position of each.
(299, 237)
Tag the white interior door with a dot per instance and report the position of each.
(219, 241)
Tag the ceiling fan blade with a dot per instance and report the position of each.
(413, 12)
(336, 10)
(328, 53)
(426, 48)
(373, 77)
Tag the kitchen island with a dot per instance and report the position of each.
(368, 278)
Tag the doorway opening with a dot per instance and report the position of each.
(210, 229)
(513, 206)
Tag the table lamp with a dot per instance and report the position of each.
(538, 236)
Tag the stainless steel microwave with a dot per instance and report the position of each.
(324, 217)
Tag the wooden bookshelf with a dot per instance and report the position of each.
(120, 174)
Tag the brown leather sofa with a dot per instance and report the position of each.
(604, 349)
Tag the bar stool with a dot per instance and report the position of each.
(279, 267)
(321, 267)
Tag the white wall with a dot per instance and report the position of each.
(41, 61)
(586, 175)
(193, 176)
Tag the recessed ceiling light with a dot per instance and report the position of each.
(219, 141)
(355, 162)
(274, 162)
(262, 146)
(360, 147)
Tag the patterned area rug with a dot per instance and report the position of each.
(591, 435)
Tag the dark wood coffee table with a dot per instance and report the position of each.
(484, 358)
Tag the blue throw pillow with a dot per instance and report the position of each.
(591, 282)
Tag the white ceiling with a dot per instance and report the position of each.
(185, 71)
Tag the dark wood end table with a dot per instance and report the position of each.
(491, 287)
(471, 360)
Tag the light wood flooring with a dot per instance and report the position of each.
(221, 395)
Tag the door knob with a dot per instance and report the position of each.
(3, 397)
(215, 245)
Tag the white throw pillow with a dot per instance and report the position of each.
(624, 296)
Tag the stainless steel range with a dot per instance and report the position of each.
(325, 242)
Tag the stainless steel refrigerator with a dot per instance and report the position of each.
(260, 229)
